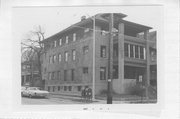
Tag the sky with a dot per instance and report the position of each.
(55, 19)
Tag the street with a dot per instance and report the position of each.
(57, 100)
(63, 99)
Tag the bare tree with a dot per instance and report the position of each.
(32, 46)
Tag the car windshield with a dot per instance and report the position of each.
(23, 88)
(34, 88)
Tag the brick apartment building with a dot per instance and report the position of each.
(68, 59)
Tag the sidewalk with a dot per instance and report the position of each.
(101, 99)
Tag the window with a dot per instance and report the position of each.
(115, 72)
(52, 75)
(59, 57)
(85, 70)
(54, 58)
(65, 88)
(65, 75)
(60, 42)
(70, 88)
(59, 75)
(67, 39)
(79, 88)
(103, 51)
(74, 36)
(85, 49)
(73, 54)
(49, 76)
(115, 50)
(126, 50)
(102, 73)
(131, 51)
(72, 74)
(144, 50)
(153, 55)
(66, 56)
(141, 53)
(49, 88)
(58, 88)
(53, 88)
(55, 43)
(136, 52)
(50, 59)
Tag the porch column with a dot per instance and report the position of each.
(147, 78)
(118, 83)
(121, 56)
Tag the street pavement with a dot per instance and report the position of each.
(63, 99)
(56, 100)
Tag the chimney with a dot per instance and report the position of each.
(83, 18)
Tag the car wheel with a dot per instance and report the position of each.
(30, 96)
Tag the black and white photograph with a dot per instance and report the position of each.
(71, 56)
(89, 59)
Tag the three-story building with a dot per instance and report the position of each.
(68, 62)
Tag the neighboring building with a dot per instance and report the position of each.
(68, 59)
(30, 75)
(27, 72)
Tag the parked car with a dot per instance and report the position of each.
(23, 88)
(35, 92)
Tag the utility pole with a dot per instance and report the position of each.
(110, 66)
(94, 66)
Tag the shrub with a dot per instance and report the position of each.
(137, 90)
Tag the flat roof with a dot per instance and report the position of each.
(103, 17)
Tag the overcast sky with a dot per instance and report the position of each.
(55, 19)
